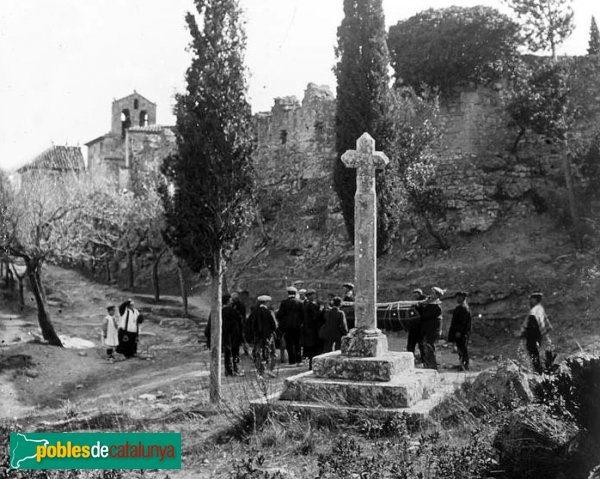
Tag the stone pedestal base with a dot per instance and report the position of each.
(365, 343)
(364, 375)
(402, 391)
(381, 368)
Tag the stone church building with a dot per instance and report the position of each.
(134, 135)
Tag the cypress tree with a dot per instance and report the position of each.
(362, 104)
(208, 196)
(594, 43)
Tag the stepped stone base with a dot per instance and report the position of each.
(383, 368)
(403, 390)
(447, 384)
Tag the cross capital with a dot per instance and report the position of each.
(365, 157)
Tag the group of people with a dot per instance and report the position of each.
(303, 328)
(425, 331)
(121, 329)
(300, 327)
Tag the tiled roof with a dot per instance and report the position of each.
(59, 158)
(149, 129)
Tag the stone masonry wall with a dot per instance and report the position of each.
(294, 161)
(484, 181)
(147, 147)
(481, 177)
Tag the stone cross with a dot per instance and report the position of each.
(366, 160)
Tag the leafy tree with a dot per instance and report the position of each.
(594, 43)
(545, 23)
(415, 134)
(450, 47)
(362, 105)
(208, 201)
(542, 102)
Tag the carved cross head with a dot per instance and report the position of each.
(365, 158)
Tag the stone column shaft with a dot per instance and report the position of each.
(365, 254)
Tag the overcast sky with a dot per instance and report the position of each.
(62, 62)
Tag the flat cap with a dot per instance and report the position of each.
(536, 295)
(302, 291)
(418, 290)
(264, 298)
(298, 283)
(291, 289)
(438, 291)
(348, 285)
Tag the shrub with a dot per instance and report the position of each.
(574, 392)
(534, 444)
(427, 457)
(450, 47)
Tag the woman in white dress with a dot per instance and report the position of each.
(110, 328)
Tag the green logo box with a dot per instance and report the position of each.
(89, 450)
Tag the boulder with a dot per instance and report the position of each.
(504, 385)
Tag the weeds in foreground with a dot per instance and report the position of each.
(366, 447)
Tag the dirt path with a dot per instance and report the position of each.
(44, 379)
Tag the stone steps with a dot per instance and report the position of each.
(448, 383)
(402, 391)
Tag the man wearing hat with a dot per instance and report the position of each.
(414, 326)
(231, 335)
(264, 326)
(302, 295)
(291, 318)
(535, 326)
(460, 328)
(348, 292)
(313, 320)
(431, 326)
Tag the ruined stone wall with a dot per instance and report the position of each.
(146, 149)
(294, 161)
(481, 176)
(485, 181)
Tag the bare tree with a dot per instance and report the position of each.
(41, 223)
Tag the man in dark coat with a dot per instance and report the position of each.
(231, 335)
(291, 317)
(460, 328)
(264, 326)
(414, 326)
(431, 326)
(240, 307)
(129, 329)
(313, 320)
(334, 327)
